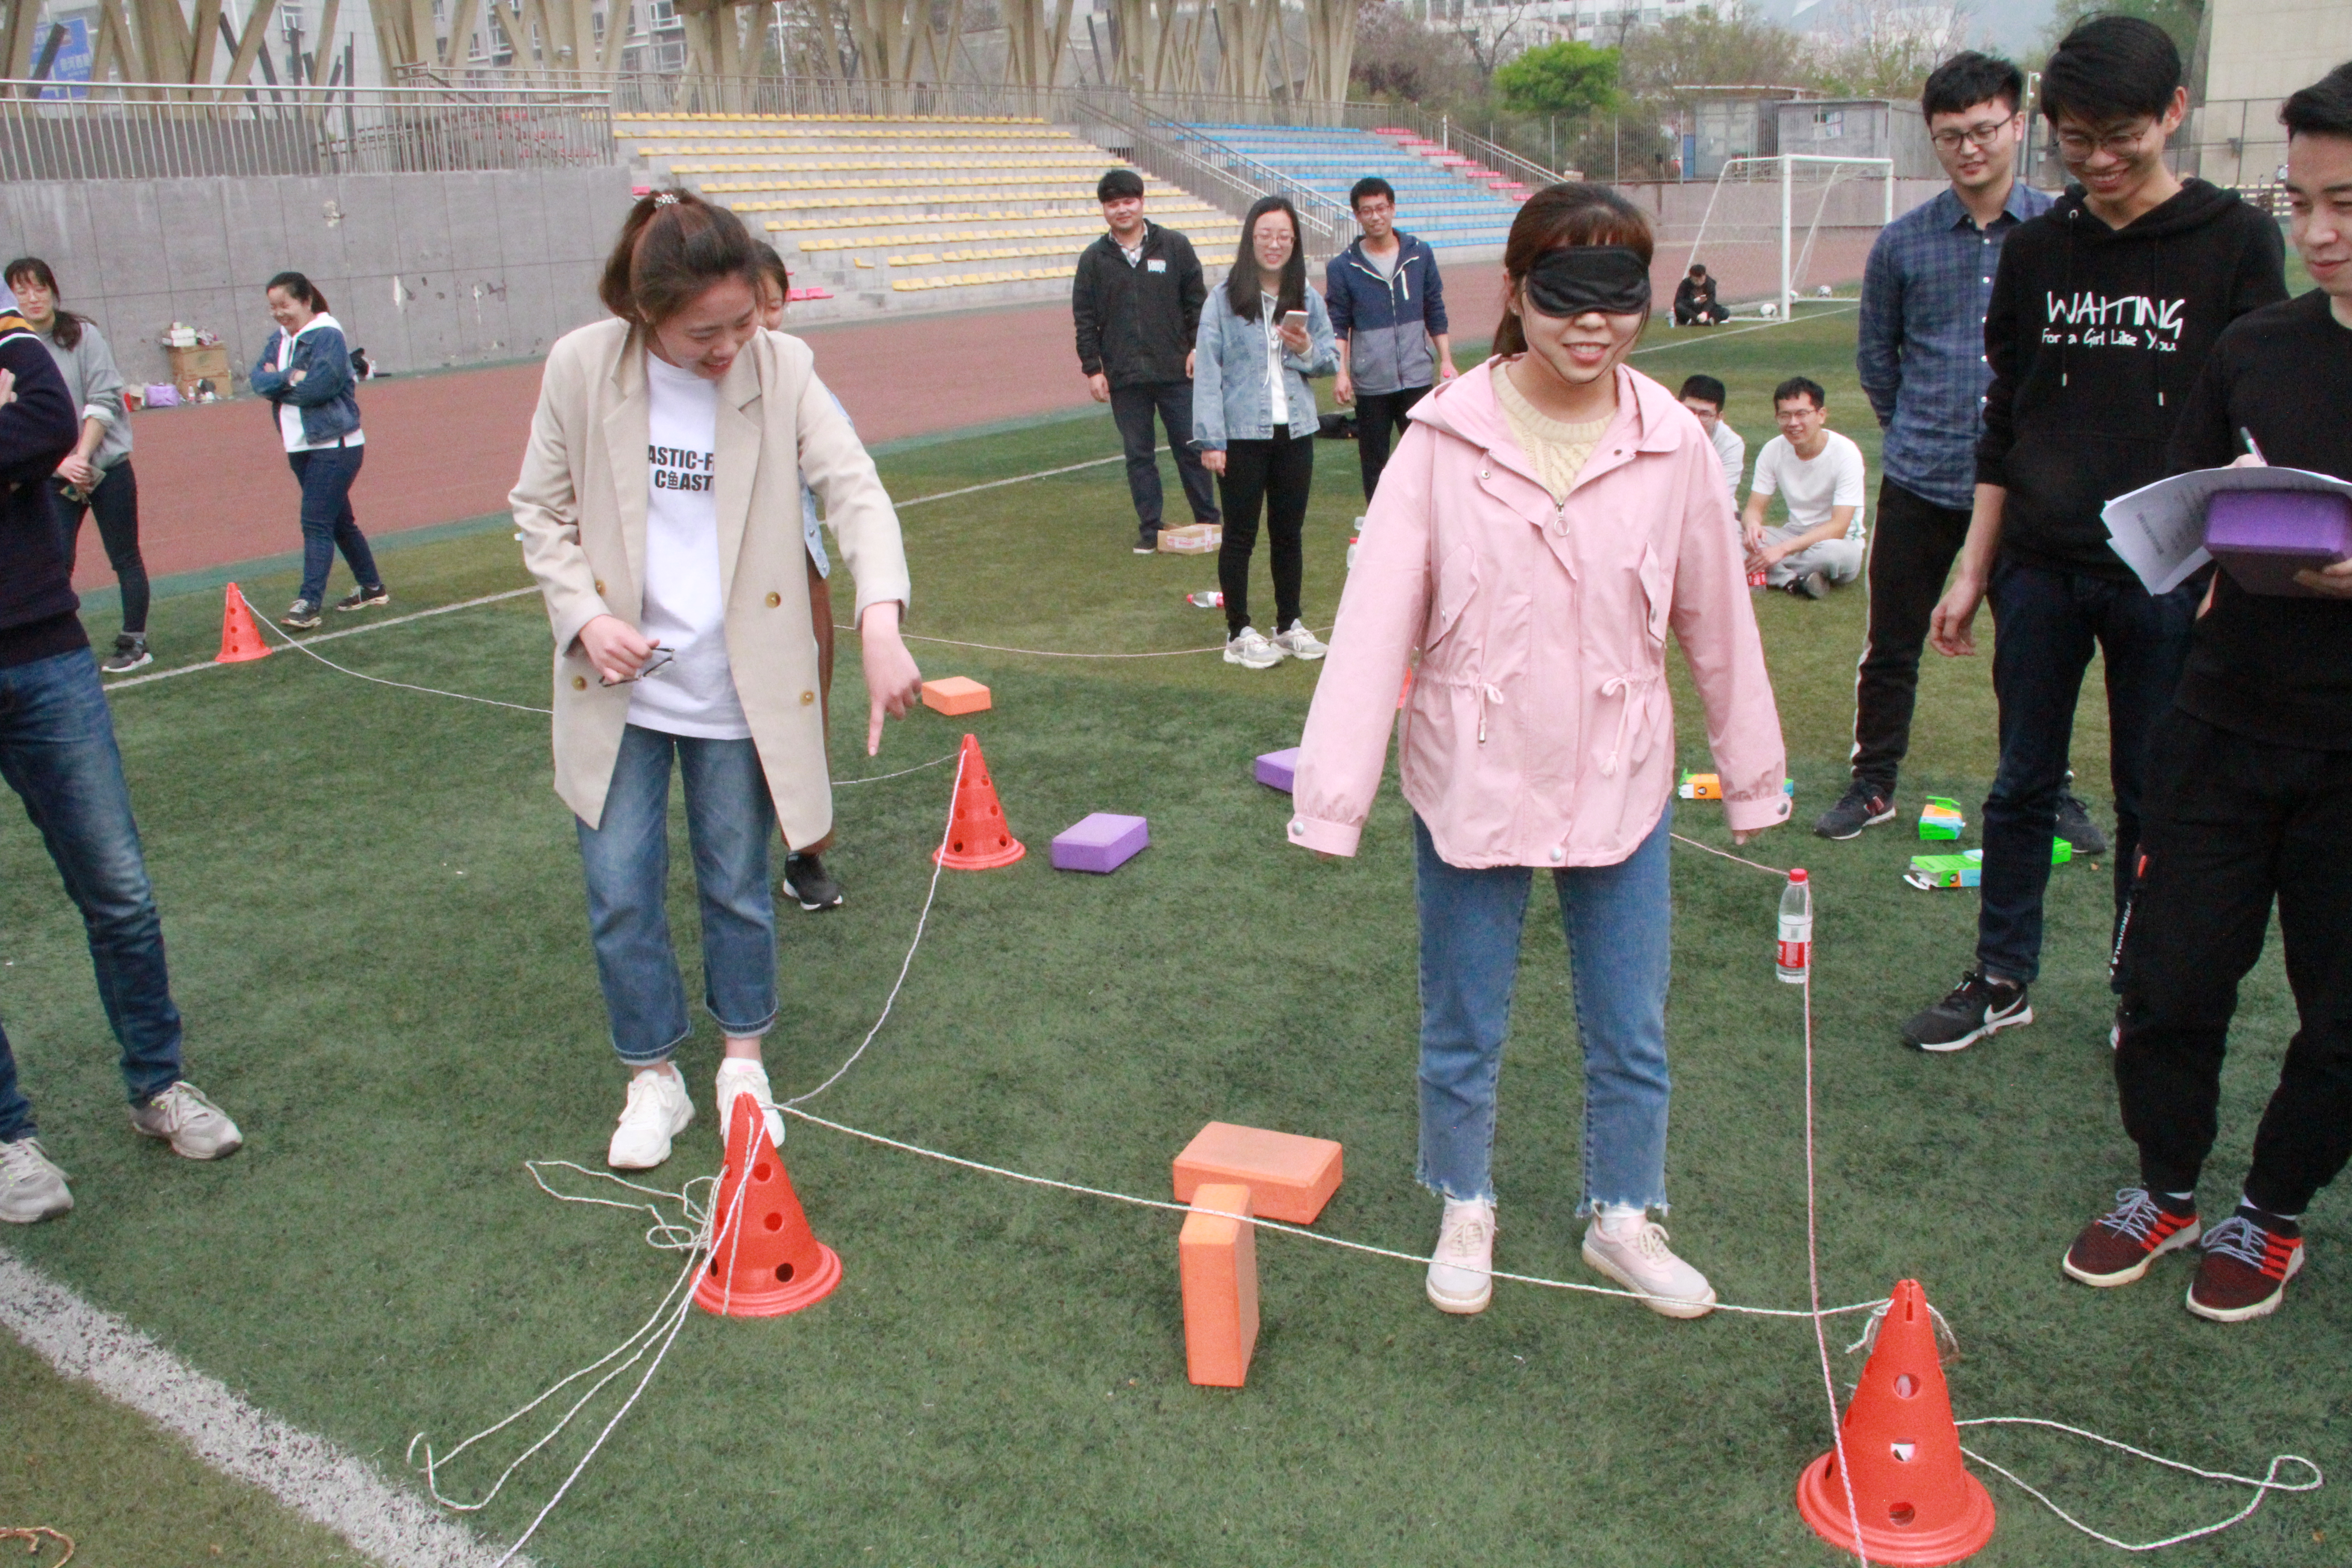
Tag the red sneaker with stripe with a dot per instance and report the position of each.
(2117, 1247)
(2245, 1269)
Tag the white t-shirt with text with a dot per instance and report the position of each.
(684, 612)
(1810, 489)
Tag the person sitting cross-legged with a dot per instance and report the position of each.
(1818, 475)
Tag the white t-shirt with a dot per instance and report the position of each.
(684, 611)
(1810, 489)
(1732, 447)
(1277, 396)
(289, 417)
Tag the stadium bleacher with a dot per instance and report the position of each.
(1443, 197)
(986, 210)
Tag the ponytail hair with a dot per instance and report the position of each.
(673, 246)
(1574, 212)
(298, 287)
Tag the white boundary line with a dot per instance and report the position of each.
(330, 636)
(313, 1477)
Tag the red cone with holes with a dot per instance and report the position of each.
(1917, 1503)
(766, 1261)
(978, 839)
(240, 638)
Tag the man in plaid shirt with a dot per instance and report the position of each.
(1921, 358)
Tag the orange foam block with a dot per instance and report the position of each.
(955, 694)
(1290, 1178)
(1217, 1258)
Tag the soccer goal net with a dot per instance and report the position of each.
(1775, 230)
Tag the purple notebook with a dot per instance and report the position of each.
(2263, 538)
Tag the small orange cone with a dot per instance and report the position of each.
(978, 839)
(240, 638)
(1918, 1506)
(766, 1261)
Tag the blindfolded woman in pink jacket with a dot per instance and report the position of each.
(1546, 521)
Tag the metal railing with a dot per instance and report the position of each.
(134, 130)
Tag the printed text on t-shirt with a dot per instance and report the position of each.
(675, 468)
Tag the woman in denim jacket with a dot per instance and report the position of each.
(1261, 336)
(306, 373)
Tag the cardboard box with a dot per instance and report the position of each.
(1192, 539)
(2263, 538)
(190, 366)
(1940, 818)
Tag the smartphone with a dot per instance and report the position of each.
(1293, 318)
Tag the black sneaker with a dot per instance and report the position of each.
(2075, 826)
(1147, 542)
(1975, 1008)
(361, 598)
(1861, 806)
(302, 615)
(1811, 586)
(130, 653)
(806, 879)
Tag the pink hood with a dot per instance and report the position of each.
(1539, 730)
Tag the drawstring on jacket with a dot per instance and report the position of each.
(1625, 686)
(1486, 694)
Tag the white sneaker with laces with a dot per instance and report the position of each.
(1461, 1271)
(31, 1188)
(659, 1109)
(1628, 1246)
(1301, 644)
(195, 1127)
(1252, 649)
(740, 1078)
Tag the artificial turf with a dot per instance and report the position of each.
(377, 932)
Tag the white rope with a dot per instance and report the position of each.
(1019, 480)
(1740, 860)
(2268, 1484)
(1052, 653)
(902, 773)
(261, 620)
(114, 685)
(1814, 1278)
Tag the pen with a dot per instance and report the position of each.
(2248, 438)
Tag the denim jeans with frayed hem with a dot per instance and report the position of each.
(58, 752)
(1619, 942)
(728, 819)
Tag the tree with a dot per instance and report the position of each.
(1491, 37)
(1884, 48)
(1705, 49)
(1569, 79)
(1399, 59)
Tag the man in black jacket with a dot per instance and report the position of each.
(1136, 301)
(57, 752)
(2104, 309)
(2250, 780)
(1694, 301)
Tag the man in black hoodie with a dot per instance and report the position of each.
(58, 752)
(2249, 781)
(2102, 311)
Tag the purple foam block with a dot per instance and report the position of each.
(1276, 770)
(1103, 842)
(2263, 538)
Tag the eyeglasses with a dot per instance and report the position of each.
(2115, 143)
(658, 660)
(1982, 135)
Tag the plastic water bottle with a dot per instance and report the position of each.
(1796, 954)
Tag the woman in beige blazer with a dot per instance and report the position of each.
(659, 509)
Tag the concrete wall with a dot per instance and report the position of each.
(424, 270)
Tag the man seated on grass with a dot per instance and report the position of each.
(1694, 303)
(1818, 475)
(57, 748)
(2249, 792)
(1704, 395)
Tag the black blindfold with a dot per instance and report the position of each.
(1569, 282)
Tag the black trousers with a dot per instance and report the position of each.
(2228, 824)
(1279, 474)
(1689, 315)
(1378, 415)
(1132, 407)
(1911, 553)
(116, 503)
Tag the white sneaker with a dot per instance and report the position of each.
(737, 1078)
(1252, 650)
(1461, 1272)
(1301, 644)
(195, 1127)
(31, 1188)
(658, 1110)
(1630, 1247)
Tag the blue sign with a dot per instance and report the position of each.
(72, 65)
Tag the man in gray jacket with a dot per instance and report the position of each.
(1388, 310)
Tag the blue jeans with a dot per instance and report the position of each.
(1619, 944)
(2046, 622)
(326, 476)
(58, 752)
(729, 820)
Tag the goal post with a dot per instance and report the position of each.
(1788, 162)
(1770, 226)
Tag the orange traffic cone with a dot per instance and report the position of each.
(1917, 1504)
(240, 638)
(766, 1262)
(978, 839)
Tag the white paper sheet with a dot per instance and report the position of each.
(2159, 529)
